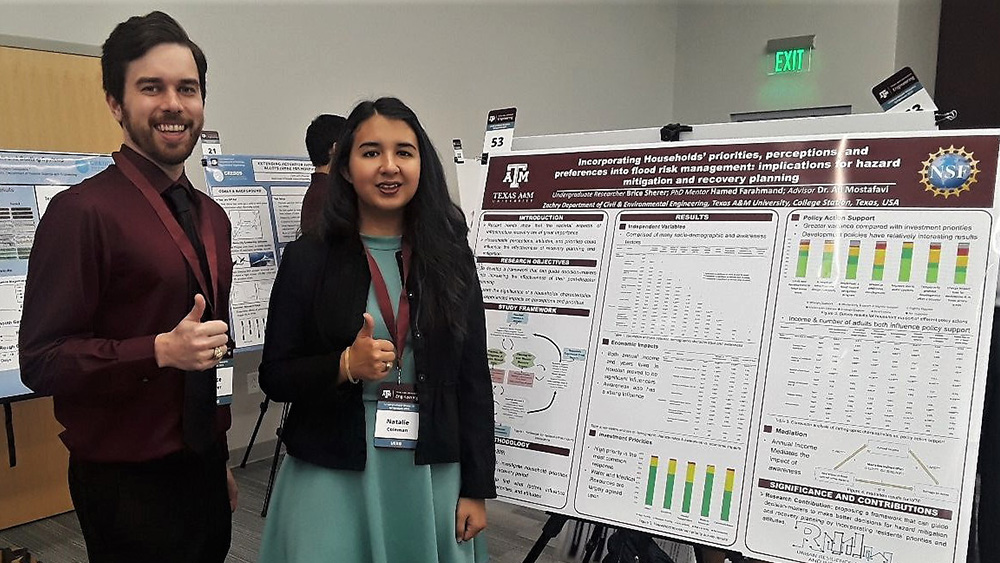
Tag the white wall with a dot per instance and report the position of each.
(272, 68)
(917, 39)
(721, 66)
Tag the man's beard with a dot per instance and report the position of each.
(144, 138)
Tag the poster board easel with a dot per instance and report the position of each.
(544, 164)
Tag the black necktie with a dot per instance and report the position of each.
(180, 203)
(198, 417)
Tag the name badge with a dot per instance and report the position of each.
(224, 380)
(396, 417)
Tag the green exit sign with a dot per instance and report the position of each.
(791, 54)
(792, 60)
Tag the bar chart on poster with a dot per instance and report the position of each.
(774, 346)
(900, 296)
(672, 355)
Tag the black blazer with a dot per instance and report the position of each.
(316, 308)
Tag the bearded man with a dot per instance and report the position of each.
(125, 317)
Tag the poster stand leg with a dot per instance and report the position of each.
(274, 460)
(8, 418)
(555, 524)
(256, 428)
(550, 530)
(596, 542)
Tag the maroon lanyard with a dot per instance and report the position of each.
(174, 229)
(399, 325)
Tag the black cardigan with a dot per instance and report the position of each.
(316, 308)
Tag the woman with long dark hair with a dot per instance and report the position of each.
(376, 336)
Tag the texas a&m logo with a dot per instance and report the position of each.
(516, 173)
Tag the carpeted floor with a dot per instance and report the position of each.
(511, 533)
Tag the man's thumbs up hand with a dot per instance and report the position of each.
(192, 345)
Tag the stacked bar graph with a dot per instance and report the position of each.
(801, 267)
(709, 498)
(962, 262)
(688, 488)
(853, 255)
(878, 268)
(706, 497)
(668, 496)
(727, 495)
(651, 482)
(906, 261)
(933, 262)
(832, 266)
(827, 267)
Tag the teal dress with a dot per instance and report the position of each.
(392, 512)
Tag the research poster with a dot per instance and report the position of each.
(28, 181)
(775, 346)
(263, 198)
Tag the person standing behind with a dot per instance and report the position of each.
(124, 321)
(385, 305)
(321, 141)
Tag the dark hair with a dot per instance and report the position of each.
(321, 134)
(135, 36)
(434, 225)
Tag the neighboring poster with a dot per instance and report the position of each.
(28, 181)
(263, 198)
(778, 347)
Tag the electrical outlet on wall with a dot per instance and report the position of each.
(253, 385)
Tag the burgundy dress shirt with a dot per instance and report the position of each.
(314, 201)
(104, 278)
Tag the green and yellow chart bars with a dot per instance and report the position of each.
(727, 494)
(802, 266)
(826, 270)
(853, 255)
(932, 275)
(906, 261)
(878, 267)
(706, 496)
(689, 487)
(933, 262)
(668, 496)
(651, 481)
(962, 263)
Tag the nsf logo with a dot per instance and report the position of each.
(516, 173)
(949, 172)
